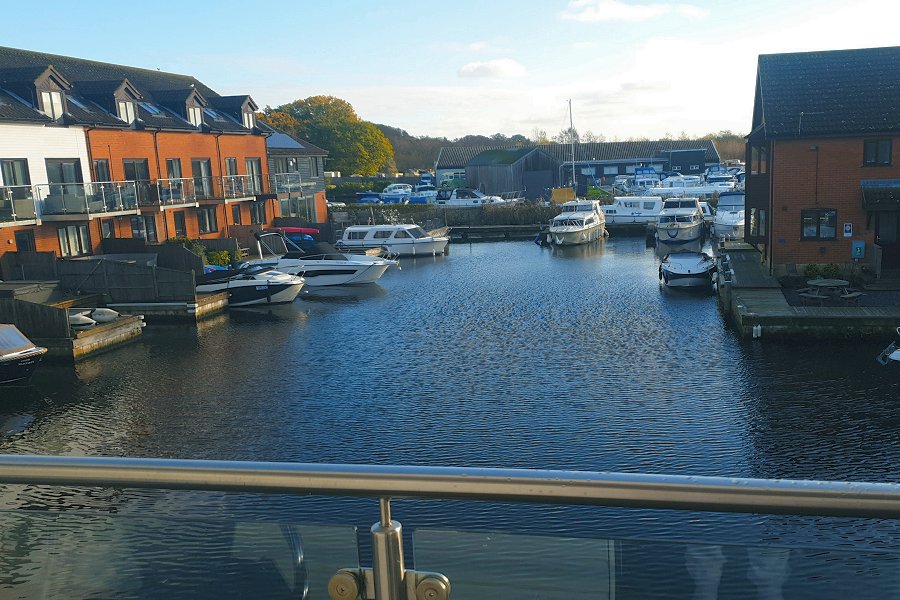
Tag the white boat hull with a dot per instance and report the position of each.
(572, 237)
(418, 247)
(731, 231)
(318, 273)
(676, 234)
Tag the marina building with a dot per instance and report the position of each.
(822, 185)
(92, 150)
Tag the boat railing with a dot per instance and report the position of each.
(443, 559)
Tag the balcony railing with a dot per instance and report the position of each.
(145, 557)
(17, 204)
(88, 198)
(287, 183)
(170, 192)
(241, 186)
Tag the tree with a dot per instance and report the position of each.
(539, 136)
(568, 135)
(354, 145)
(590, 136)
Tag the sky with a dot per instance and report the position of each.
(630, 68)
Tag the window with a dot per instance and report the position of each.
(257, 212)
(877, 152)
(195, 115)
(356, 235)
(52, 104)
(758, 160)
(249, 120)
(818, 224)
(150, 108)
(74, 240)
(180, 228)
(107, 228)
(695, 167)
(144, 228)
(676, 167)
(136, 169)
(202, 174)
(230, 166)
(236, 214)
(254, 170)
(173, 168)
(207, 218)
(314, 166)
(101, 170)
(14, 172)
(126, 111)
(402, 234)
(25, 241)
(757, 222)
(382, 234)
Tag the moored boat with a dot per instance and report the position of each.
(318, 263)
(19, 357)
(632, 210)
(251, 285)
(401, 240)
(580, 222)
(729, 221)
(687, 269)
(396, 193)
(679, 221)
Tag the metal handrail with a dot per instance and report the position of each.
(720, 494)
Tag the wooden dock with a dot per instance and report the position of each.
(755, 304)
(492, 233)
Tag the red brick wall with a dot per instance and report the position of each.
(798, 184)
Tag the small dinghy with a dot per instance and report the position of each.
(79, 319)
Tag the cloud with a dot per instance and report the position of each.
(594, 11)
(501, 68)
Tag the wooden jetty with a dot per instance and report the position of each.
(492, 233)
(756, 305)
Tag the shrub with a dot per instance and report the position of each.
(831, 271)
(193, 245)
(811, 271)
(221, 258)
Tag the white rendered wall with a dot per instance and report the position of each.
(38, 142)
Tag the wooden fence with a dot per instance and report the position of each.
(125, 282)
(35, 320)
(28, 266)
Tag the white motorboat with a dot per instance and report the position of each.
(892, 352)
(729, 221)
(396, 193)
(708, 214)
(632, 210)
(580, 222)
(679, 221)
(400, 240)
(19, 357)
(321, 264)
(687, 269)
(251, 285)
(688, 185)
(465, 198)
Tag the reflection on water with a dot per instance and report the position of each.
(343, 293)
(499, 355)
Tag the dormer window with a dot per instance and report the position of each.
(195, 115)
(126, 111)
(52, 104)
(249, 120)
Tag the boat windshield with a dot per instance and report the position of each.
(417, 232)
(664, 219)
(685, 219)
(569, 208)
(12, 340)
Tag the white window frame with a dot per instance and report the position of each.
(195, 115)
(126, 111)
(52, 104)
(249, 120)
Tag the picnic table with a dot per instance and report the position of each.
(820, 290)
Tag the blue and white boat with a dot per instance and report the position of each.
(396, 193)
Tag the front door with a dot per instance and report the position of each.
(887, 235)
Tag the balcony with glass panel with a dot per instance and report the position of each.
(174, 193)
(17, 206)
(163, 552)
(80, 201)
(237, 188)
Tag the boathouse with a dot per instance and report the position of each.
(526, 170)
(822, 185)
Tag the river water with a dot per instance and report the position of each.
(498, 355)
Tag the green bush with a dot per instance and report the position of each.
(221, 258)
(193, 245)
(831, 271)
(811, 271)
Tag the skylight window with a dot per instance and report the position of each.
(150, 108)
(211, 113)
(77, 103)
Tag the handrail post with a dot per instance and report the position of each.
(387, 555)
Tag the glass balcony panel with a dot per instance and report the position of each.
(241, 186)
(175, 191)
(55, 555)
(17, 203)
(286, 183)
(62, 198)
(501, 565)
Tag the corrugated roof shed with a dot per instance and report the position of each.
(505, 156)
(459, 156)
(839, 92)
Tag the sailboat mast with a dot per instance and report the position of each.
(572, 137)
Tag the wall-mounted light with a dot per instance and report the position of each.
(813, 148)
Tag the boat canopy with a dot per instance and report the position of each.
(12, 340)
